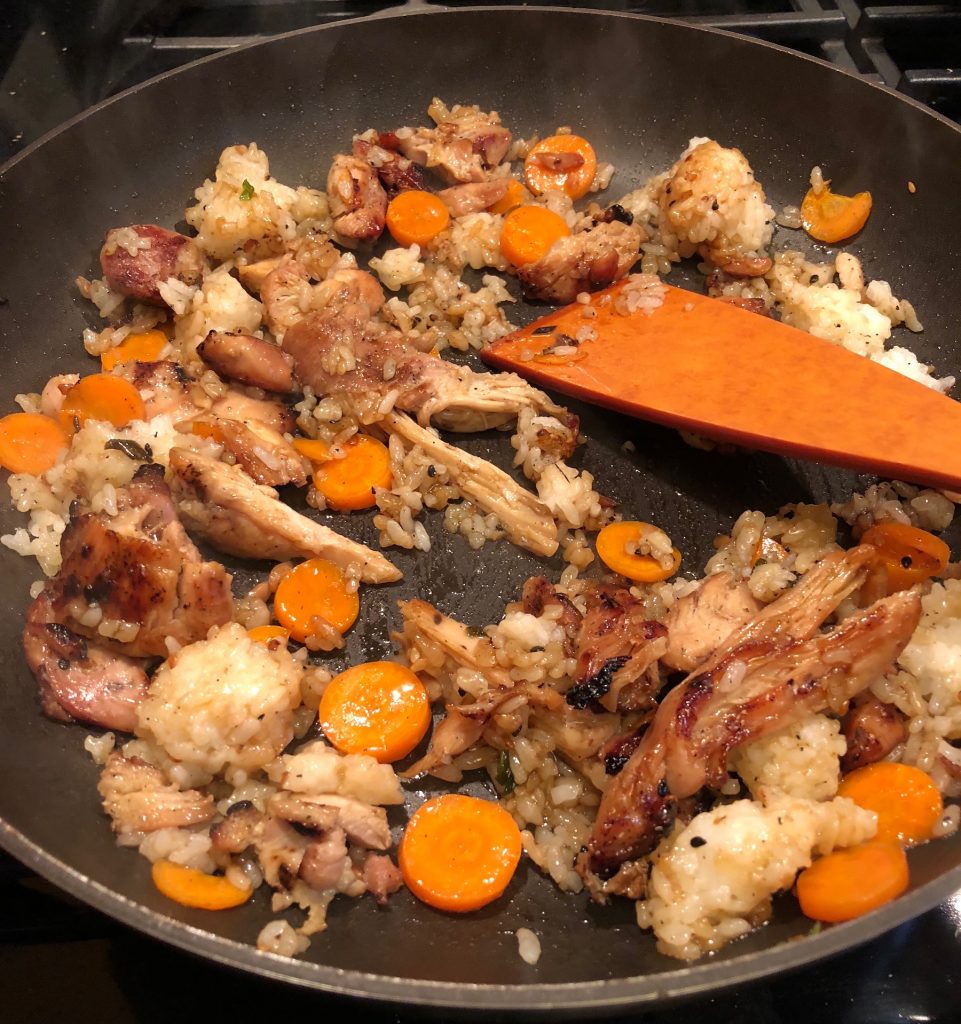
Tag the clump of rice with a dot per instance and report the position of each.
(643, 293)
(712, 881)
(220, 304)
(569, 494)
(223, 702)
(897, 502)
(280, 938)
(243, 205)
(801, 761)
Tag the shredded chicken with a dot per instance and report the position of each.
(525, 518)
(772, 672)
(264, 455)
(222, 504)
(698, 623)
(138, 797)
(358, 202)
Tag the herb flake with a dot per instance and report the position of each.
(247, 192)
(131, 449)
(505, 777)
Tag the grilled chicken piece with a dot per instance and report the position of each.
(326, 860)
(397, 173)
(363, 823)
(223, 504)
(77, 679)
(136, 260)
(872, 730)
(618, 652)
(702, 620)
(381, 876)
(749, 691)
(248, 360)
(582, 261)
(163, 386)
(139, 797)
(263, 454)
(525, 518)
(473, 197)
(275, 416)
(465, 146)
(240, 828)
(132, 580)
(346, 293)
(334, 354)
(315, 253)
(358, 202)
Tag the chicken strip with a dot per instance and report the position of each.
(223, 504)
(263, 454)
(757, 688)
(526, 519)
(334, 354)
(474, 196)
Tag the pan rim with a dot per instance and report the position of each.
(603, 995)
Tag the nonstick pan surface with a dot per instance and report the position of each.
(639, 89)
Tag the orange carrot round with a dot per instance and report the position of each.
(848, 883)
(458, 853)
(514, 196)
(529, 232)
(270, 636)
(379, 708)
(905, 799)
(566, 163)
(315, 587)
(908, 554)
(315, 450)
(416, 217)
(144, 347)
(348, 484)
(101, 396)
(830, 217)
(30, 442)
(612, 544)
(193, 888)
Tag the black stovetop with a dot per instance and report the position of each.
(59, 960)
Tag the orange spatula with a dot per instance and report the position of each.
(707, 366)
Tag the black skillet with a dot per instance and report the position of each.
(638, 88)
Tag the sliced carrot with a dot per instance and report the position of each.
(30, 442)
(270, 636)
(416, 217)
(529, 232)
(514, 196)
(905, 799)
(908, 554)
(458, 853)
(195, 889)
(848, 883)
(101, 396)
(379, 708)
(144, 347)
(566, 163)
(612, 543)
(315, 587)
(830, 217)
(316, 451)
(204, 428)
(348, 484)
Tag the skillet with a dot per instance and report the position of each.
(638, 88)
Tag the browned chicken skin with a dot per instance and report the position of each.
(474, 196)
(466, 144)
(138, 797)
(872, 730)
(164, 254)
(142, 571)
(770, 672)
(248, 360)
(163, 386)
(77, 679)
